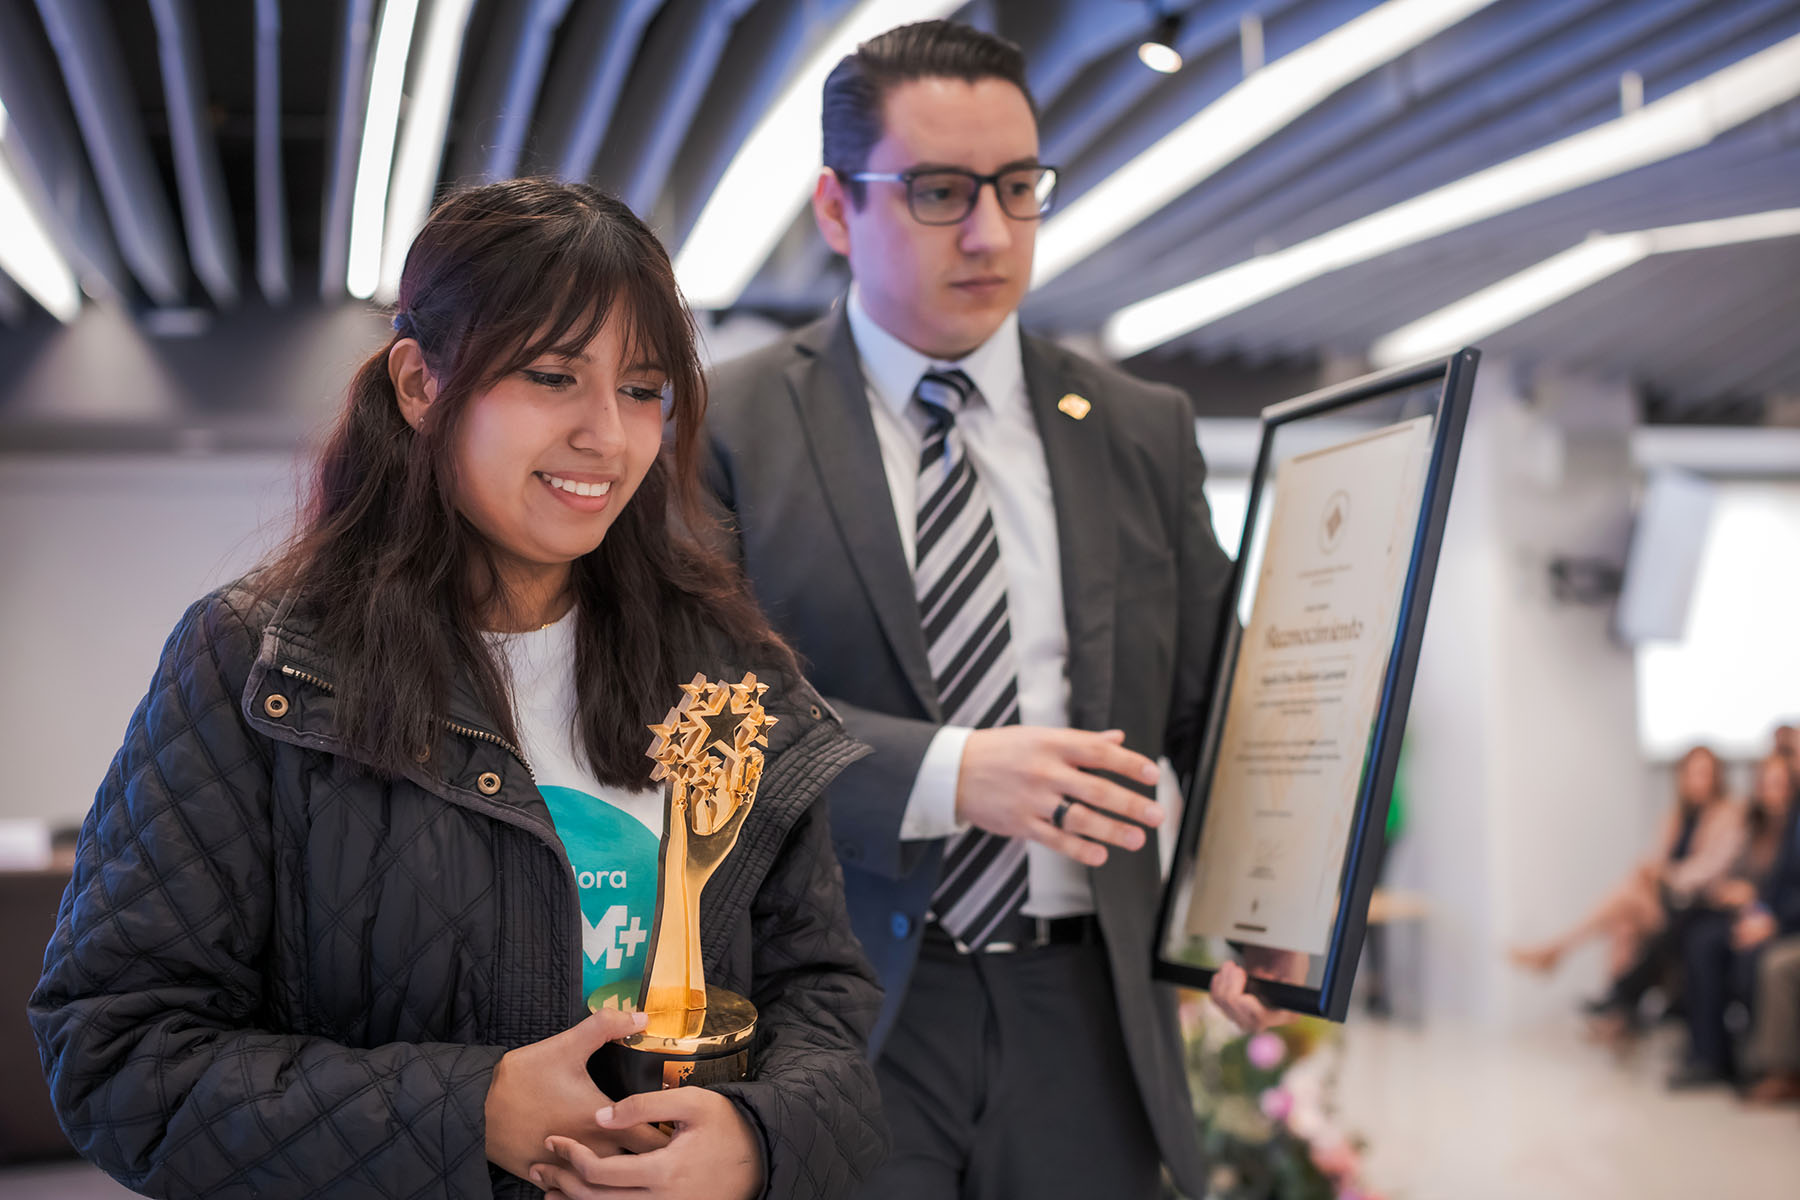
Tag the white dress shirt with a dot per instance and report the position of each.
(1001, 438)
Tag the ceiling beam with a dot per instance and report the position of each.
(505, 90)
(211, 240)
(599, 41)
(344, 143)
(662, 94)
(12, 302)
(274, 256)
(81, 34)
(764, 55)
(52, 161)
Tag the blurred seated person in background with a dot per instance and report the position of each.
(326, 934)
(1772, 787)
(1699, 842)
(1758, 912)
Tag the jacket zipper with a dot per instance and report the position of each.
(484, 736)
(478, 734)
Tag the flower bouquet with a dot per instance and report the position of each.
(1263, 1104)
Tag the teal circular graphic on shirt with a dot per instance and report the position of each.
(615, 859)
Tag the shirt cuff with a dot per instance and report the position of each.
(931, 808)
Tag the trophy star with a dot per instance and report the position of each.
(723, 728)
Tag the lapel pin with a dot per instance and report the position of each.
(1074, 406)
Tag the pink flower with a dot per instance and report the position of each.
(1265, 1051)
(1276, 1103)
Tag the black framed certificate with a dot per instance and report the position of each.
(1281, 838)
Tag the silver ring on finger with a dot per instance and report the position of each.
(1062, 811)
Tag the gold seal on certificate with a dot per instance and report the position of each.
(708, 754)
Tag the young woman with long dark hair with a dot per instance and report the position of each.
(328, 933)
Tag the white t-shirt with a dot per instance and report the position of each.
(612, 835)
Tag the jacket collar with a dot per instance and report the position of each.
(293, 639)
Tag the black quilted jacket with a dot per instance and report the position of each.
(275, 975)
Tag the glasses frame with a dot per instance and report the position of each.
(979, 179)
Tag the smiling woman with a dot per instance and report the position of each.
(328, 932)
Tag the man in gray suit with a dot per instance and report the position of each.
(996, 560)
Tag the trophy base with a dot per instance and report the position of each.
(719, 1053)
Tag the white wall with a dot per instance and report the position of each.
(101, 555)
(1526, 791)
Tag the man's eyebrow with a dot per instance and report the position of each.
(1028, 161)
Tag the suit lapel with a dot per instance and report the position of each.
(828, 390)
(1076, 453)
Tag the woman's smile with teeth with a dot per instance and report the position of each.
(574, 488)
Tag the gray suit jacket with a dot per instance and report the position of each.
(796, 463)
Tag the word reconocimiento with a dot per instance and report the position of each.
(1311, 635)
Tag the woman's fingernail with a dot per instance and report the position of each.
(639, 1019)
(1150, 773)
(604, 1115)
(537, 1176)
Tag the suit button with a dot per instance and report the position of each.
(901, 924)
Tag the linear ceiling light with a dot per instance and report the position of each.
(422, 139)
(772, 174)
(1560, 276)
(27, 252)
(1250, 113)
(393, 39)
(1681, 121)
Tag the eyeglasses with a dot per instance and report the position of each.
(947, 195)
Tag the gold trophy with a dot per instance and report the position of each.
(707, 757)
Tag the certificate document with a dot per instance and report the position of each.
(1306, 687)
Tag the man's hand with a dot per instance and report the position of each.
(1246, 1011)
(544, 1089)
(714, 1155)
(1752, 929)
(1013, 779)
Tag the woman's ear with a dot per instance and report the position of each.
(415, 388)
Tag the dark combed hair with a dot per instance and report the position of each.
(851, 121)
(499, 275)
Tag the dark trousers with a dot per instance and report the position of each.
(1006, 1076)
(1716, 974)
(1659, 961)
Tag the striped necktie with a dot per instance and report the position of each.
(961, 588)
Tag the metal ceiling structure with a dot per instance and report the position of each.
(202, 154)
